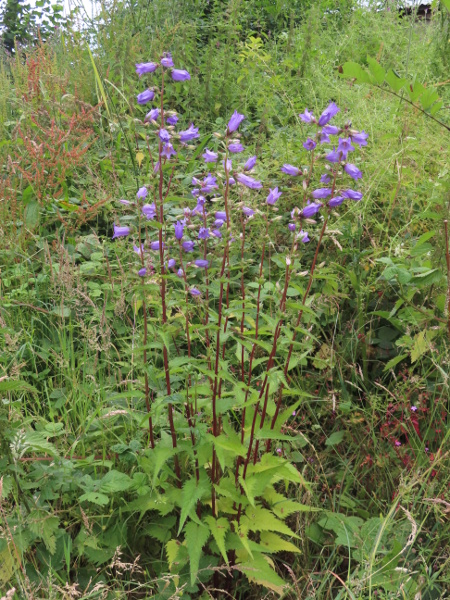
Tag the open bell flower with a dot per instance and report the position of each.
(172, 120)
(310, 144)
(235, 121)
(168, 151)
(195, 292)
(235, 148)
(311, 209)
(210, 157)
(167, 61)
(306, 117)
(152, 115)
(303, 236)
(353, 171)
(142, 68)
(180, 75)
(120, 231)
(201, 263)
(149, 211)
(250, 163)
(290, 170)
(203, 233)
(273, 196)
(352, 195)
(142, 192)
(179, 229)
(336, 201)
(248, 212)
(188, 246)
(145, 96)
(164, 135)
(189, 134)
(331, 110)
(359, 138)
(321, 193)
(345, 145)
(249, 182)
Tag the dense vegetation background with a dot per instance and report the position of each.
(370, 435)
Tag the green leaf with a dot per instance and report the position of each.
(172, 549)
(395, 82)
(31, 215)
(422, 343)
(394, 361)
(260, 571)
(427, 278)
(196, 537)
(428, 98)
(335, 438)
(376, 70)
(192, 492)
(414, 90)
(16, 386)
(352, 70)
(261, 519)
(115, 481)
(275, 543)
(44, 526)
(95, 498)
(219, 528)
(436, 107)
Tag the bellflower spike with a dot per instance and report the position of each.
(152, 115)
(189, 134)
(120, 231)
(345, 146)
(180, 75)
(167, 61)
(235, 121)
(331, 111)
(250, 163)
(179, 228)
(353, 171)
(303, 236)
(168, 151)
(352, 195)
(248, 212)
(321, 193)
(222, 215)
(273, 196)
(188, 246)
(290, 170)
(325, 178)
(201, 263)
(333, 156)
(146, 96)
(291, 226)
(309, 144)
(359, 138)
(307, 117)
(249, 182)
(172, 120)
(149, 211)
(311, 209)
(142, 192)
(331, 130)
(142, 272)
(195, 292)
(171, 263)
(336, 201)
(235, 148)
(203, 233)
(210, 156)
(164, 135)
(142, 68)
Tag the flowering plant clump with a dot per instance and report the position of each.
(216, 355)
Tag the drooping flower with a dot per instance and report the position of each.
(164, 135)
(309, 144)
(290, 170)
(325, 178)
(168, 151)
(142, 68)
(231, 181)
(321, 193)
(142, 272)
(248, 212)
(188, 246)
(180, 272)
(142, 192)
(180, 75)
(353, 171)
(235, 148)
(249, 182)
(152, 115)
(222, 215)
(218, 223)
(235, 121)
(250, 163)
(146, 96)
(311, 209)
(166, 60)
(345, 146)
(171, 263)
(331, 130)
(189, 134)
(331, 110)
(359, 138)
(179, 229)
(336, 201)
(120, 231)
(352, 195)
(210, 157)
(291, 226)
(155, 245)
(195, 292)
(333, 156)
(149, 211)
(306, 117)
(172, 120)
(303, 236)
(273, 196)
(201, 263)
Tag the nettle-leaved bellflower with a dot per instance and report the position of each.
(179, 228)
(290, 170)
(307, 117)
(345, 146)
(291, 226)
(228, 165)
(171, 263)
(325, 178)
(180, 75)
(167, 61)
(321, 193)
(235, 121)
(273, 196)
(139, 250)
(142, 192)
(303, 236)
(142, 68)
(250, 163)
(336, 201)
(218, 223)
(324, 139)
(309, 144)
(152, 115)
(142, 272)
(201, 263)
(210, 157)
(145, 96)
(331, 111)
(120, 231)
(352, 195)
(249, 182)
(168, 151)
(235, 148)
(331, 130)
(149, 211)
(203, 233)
(155, 245)
(195, 292)
(222, 215)
(188, 246)
(248, 212)
(172, 120)
(189, 134)
(333, 156)
(353, 171)
(311, 209)
(359, 138)
(164, 135)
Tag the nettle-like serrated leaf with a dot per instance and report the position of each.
(422, 343)
(16, 386)
(172, 549)
(394, 81)
(95, 498)
(255, 484)
(261, 519)
(195, 537)
(260, 570)
(376, 70)
(115, 481)
(352, 70)
(219, 528)
(44, 526)
(192, 492)
(345, 528)
(275, 543)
